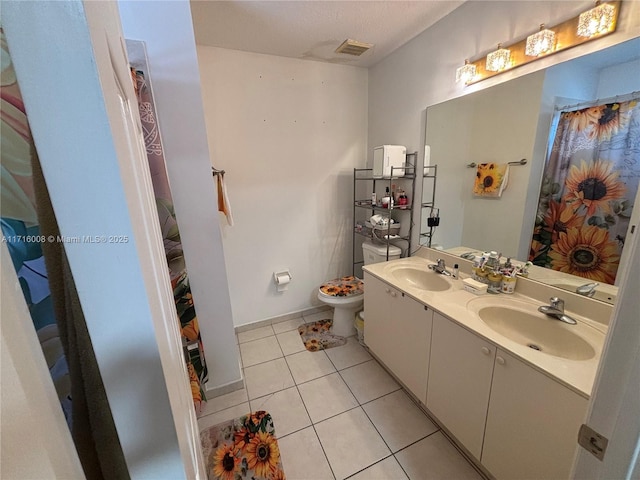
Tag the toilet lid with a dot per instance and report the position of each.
(343, 287)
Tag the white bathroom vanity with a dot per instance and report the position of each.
(510, 385)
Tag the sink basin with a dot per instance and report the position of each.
(537, 331)
(421, 278)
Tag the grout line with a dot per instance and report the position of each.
(374, 463)
(255, 339)
(311, 420)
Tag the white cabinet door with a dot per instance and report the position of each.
(460, 373)
(377, 308)
(398, 331)
(411, 344)
(532, 424)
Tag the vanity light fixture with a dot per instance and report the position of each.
(600, 19)
(592, 24)
(466, 73)
(499, 59)
(541, 42)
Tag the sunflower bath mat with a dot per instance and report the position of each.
(243, 448)
(317, 336)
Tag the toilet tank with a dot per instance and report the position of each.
(378, 253)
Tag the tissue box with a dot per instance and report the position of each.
(473, 286)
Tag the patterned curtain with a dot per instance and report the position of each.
(171, 237)
(588, 189)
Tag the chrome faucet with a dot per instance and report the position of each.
(555, 309)
(440, 267)
(588, 289)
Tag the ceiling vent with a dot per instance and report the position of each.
(353, 47)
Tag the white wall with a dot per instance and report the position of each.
(167, 30)
(624, 78)
(288, 133)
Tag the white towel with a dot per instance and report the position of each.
(223, 199)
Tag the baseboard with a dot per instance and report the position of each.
(281, 318)
(224, 389)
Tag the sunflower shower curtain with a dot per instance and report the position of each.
(186, 311)
(588, 189)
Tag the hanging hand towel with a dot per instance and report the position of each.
(491, 179)
(223, 199)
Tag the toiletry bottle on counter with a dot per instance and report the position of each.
(494, 261)
(455, 272)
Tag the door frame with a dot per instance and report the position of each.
(72, 67)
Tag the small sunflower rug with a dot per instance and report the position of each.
(317, 336)
(243, 448)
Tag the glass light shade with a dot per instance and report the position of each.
(596, 21)
(498, 60)
(466, 73)
(540, 43)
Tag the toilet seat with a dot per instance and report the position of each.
(343, 287)
(345, 295)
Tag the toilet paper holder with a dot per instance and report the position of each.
(282, 279)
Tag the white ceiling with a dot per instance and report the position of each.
(314, 29)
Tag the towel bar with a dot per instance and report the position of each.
(519, 162)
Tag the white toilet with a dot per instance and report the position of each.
(346, 294)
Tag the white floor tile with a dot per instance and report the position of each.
(286, 409)
(348, 355)
(315, 317)
(326, 396)
(259, 351)
(255, 334)
(222, 402)
(350, 442)
(387, 469)
(267, 378)
(290, 342)
(302, 456)
(369, 381)
(435, 458)
(287, 325)
(308, 365)
(399, 420)
(224, 415)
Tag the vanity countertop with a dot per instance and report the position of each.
(462, 307)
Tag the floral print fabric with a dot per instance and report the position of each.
(185, 308)
(243, 448)
(317, 336)
(588, 190)
(491, 179)
(343, 287)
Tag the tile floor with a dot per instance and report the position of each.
(338, 414)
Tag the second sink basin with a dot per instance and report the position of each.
(421, 278)
(536, 331)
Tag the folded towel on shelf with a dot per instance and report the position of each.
(491, 179)
(223, 199)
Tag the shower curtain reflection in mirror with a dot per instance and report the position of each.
(588, 189)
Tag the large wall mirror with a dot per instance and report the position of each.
(510, 122)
